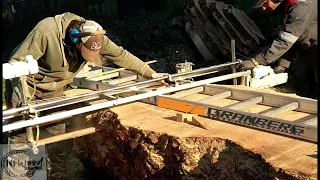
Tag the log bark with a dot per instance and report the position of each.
(131, 153)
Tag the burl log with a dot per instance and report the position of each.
(130, 153)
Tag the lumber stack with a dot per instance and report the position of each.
(212, 25)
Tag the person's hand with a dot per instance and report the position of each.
(159, 75)
(247, 65)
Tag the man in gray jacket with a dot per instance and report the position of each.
(299, 28)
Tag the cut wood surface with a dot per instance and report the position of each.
(282, 152)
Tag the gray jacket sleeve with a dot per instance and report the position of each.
(299, 16)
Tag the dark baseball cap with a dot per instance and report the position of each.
(259, 3)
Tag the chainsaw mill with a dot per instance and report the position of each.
(117, 87)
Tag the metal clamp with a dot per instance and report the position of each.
(188, 80)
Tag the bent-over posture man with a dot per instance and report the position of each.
(62, 45)
(299, 28)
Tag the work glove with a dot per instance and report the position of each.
(247, 64)
(282, 65)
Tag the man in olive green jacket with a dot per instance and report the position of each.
(62, 45)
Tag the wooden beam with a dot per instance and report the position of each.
(103, 77)
(210, 28)
(196, 38)
(114, 71)
(184, 117)
(269, 99)
(70, 135)
(85, 74)
(215, 97)
(122, 80)
(93, 85)
(245, 103)
(201, 30)
(198, 122)
(187, 92)
(282, 109)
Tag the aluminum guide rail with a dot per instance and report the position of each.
(233, 115)
(61, 115)
(150, 91)
(94, 95)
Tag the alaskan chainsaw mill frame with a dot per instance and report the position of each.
(304, 129)
(122, 86)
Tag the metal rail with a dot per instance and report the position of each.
(94, 95)
(65, 114)
(235, 116)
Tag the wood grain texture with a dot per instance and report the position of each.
(282, 152)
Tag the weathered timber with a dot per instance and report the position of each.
(220, 22)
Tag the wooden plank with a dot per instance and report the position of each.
(269, 99)
(216, 34)
(85, 74)
(216, 97)
(114, 70)
(198, 122)
(282, 109)
(122, 80)
(201, 46)
(70, 135)
(184, 117)
(202, 32)
(106, 76)
(104, 68)
(187, 92)
(227, 26)
(245, 81)
(268, 124)
(93, 85)
(245, 103)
